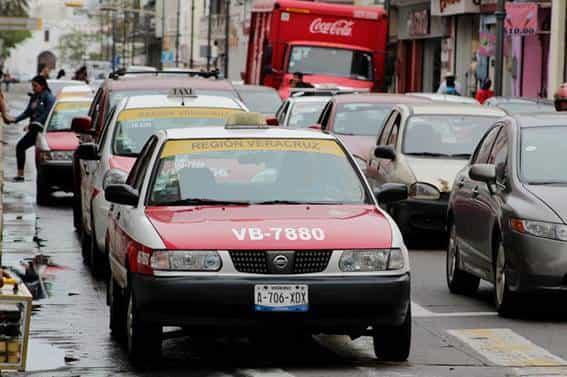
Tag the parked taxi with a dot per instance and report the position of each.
(129, 125)
(289, 239)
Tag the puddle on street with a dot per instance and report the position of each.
(38, 274)
(43, 357)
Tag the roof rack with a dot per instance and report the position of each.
(191, 73)
(306, 92)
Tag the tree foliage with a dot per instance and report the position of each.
(13, 8)
(73, 46)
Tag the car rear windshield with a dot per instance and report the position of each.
(356, 65)
(362, 119)
(444, 135)
(543, 155)
(261, 101)
(116, 97)
(64, 113)
(305, 114)
(135, 126)
(255, 171)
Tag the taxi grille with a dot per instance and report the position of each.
(256, 261)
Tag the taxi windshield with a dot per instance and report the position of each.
(444, 135)
(361, 119)
(64, 113)
(255, 171)
(305, 114)
(135, 126)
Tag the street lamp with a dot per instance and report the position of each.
(499, 63)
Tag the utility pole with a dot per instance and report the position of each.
(113, 41)
(177, 33)
(124, 36)
(226, 38)
(209, 35)
(191, 58)
(162, 29)
(499, 63)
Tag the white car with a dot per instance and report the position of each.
(446, 98)
(301, 111)
(289, 239)
(129, 125)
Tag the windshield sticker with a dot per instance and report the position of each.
(175, 112)
(72, 106)
(176, 147)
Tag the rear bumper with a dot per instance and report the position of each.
(57, 175)
(337, 305)
(421, 215)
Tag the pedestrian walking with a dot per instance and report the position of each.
(3, 108)
(450, 86)
(484, 92)
(61, 74)
(38, 108)
(297, 81)
(560, 98)
(44, 70)
(81, 75)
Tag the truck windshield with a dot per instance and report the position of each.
(355, 65)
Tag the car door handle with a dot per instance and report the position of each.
(475, 192)
(461, 183)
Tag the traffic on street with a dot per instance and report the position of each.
(307, 204)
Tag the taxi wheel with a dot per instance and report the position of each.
(42, 193)
(393, 343)
(504, 299)
(458, 281)
(143, 340)
(117, 317)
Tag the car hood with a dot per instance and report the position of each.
(122, 163)
(440, 172)
(553, 196)
(358, 145)
(237, 227)
(62, 141)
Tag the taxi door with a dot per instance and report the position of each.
(381, 170)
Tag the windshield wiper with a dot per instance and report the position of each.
(429, 154)
(204, 201)
(462, 155)
(542, 183)
(267, 202)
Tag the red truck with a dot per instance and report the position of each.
(343, 45)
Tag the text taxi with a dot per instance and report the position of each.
(250, 228)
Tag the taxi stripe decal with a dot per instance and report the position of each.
(503, 347)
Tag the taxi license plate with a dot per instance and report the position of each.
(281, 298)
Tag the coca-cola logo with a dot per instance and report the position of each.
(341, 28)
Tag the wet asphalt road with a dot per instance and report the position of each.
(452, 335)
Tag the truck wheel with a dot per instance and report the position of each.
(42, 197)
(392, 343)
(144, 340)
(458, 281)
(117, 316)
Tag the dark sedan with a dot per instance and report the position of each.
(508, 214)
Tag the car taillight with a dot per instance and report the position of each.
(139, 257)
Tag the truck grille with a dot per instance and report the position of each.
(257, 261)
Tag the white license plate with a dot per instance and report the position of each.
(281, 298)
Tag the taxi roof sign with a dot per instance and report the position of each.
(245, 120)
(181, 92)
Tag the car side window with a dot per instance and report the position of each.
(384, 136)
(499, 154)
(385, 130)
(483, 152)
(281, 113)
(325, 115)
(94, 105)
(393, 138)
(105, 132)
(136, 177)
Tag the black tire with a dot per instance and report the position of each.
(458, 281)
(143, 339)
(393, 343)
(42, 193)
(505, 300)
(117, 323)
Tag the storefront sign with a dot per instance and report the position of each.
(487, 44)
(521, 19)
(418, 23)
(342, 28)
(452, 7)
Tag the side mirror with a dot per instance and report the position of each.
(272, 121)
(483, 173)
(121, 194)
(82, 125)
(316, 127)
(87, 152)
(385, 151)
(391, 192)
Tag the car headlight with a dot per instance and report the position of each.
(424, 191)
(55, 156)
(540, 229)
(371, 260)
(361, 163)
(186, 260)
(114, 177)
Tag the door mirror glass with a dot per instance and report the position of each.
(483, 173)
(88, 152)
(391, 192)
(385, 151)
(121, 194)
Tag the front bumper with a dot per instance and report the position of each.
(56, 174)
(535, 263)
(421, 215)
(337, 305)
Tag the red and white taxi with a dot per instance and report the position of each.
(129, 126)
(250, 228)
(55, 147)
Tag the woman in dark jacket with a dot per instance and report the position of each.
(40, 104)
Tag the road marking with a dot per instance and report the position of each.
(503, 347)
(419, 311)
(269, 372)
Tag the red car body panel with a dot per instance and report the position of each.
(227, 227)
(122, 163)
(62, 141)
